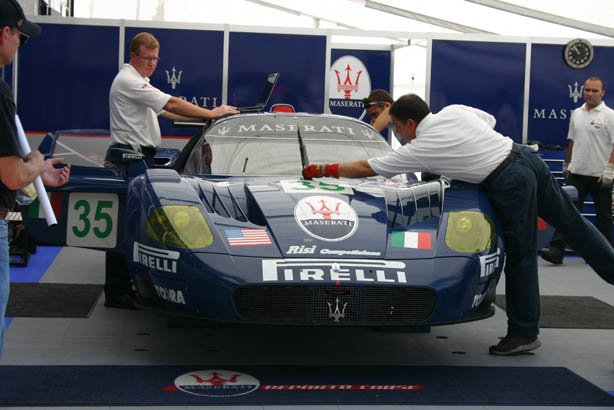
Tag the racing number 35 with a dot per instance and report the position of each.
(311, 187)
(92, 220)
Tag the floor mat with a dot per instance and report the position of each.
(294, 385)
(572, 312)
(52, 299)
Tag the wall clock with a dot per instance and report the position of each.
(578, 53)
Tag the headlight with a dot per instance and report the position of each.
(180, 226)
(469, 231)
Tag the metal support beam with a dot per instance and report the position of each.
(550, 18)
(423, 18)
(299, 13)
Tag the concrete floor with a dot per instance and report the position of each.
(115, 336)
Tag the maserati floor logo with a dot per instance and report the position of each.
(326, 218)
(349, 84)
(217, 383)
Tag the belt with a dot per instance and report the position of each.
(514, 153)
(4, 212)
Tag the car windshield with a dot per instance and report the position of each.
(269, 144)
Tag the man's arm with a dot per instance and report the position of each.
(356, 169)
(607, 176)
(183, 108)
(175, 117)
(569, 153)
(17, 172)
(382, 120)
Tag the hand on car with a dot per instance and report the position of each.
(224, 110)
(319, 171)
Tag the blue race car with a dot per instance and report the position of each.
(227, 230)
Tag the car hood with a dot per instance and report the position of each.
(340, 218)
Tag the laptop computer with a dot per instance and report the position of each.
(267, 91)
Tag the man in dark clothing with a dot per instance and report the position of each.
(16, 170)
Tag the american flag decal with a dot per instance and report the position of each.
(247, 237)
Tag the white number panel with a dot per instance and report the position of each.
(92, 220)
(317, 187)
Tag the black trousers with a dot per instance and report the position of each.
(117, 279)
(602, 197)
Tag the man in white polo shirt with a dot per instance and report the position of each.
(589, 163)
(134, 106)
(460, 143)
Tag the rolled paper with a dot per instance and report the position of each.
(38, 182)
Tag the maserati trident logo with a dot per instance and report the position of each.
(349, 83)
(174, 77)
(216, 383)
(324, 210)
(575, 93)
(223, 130)
(338, 312)
(326, 218)
(347, 86)
(215, 379)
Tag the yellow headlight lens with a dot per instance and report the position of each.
(180, 226)
(469, 231)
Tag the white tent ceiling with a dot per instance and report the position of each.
(541, 18)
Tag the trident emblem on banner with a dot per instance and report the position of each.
(347, 87)
(173, 79)
(575, 94)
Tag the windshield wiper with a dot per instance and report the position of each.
(303, 149)
(244, 166)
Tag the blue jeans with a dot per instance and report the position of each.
(523, 191)
(5, 280)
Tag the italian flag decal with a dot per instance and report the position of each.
(36, 211)
(414, 240)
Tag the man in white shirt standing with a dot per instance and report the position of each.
(134, 106)
(589, 163)
(460, 143)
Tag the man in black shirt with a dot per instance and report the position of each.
(16, 170)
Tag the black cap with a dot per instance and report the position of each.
(11, 15)
(377, 96)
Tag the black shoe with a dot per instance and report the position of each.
(552, 255)
(513, 345)
(125, 301)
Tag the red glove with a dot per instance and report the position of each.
(319, 171)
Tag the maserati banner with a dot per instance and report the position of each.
(556, 90)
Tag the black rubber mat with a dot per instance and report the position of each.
(572, 312)
(295, 385)
(52, 299)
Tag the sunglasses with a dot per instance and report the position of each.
(372, 103)
(23, 38)
(149, 59)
